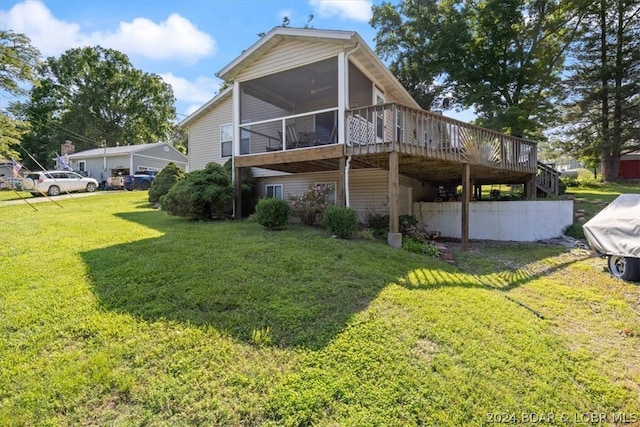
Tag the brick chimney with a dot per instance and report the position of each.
(67, 148)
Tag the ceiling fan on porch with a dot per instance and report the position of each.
(315, 89)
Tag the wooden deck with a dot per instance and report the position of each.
(431, 148)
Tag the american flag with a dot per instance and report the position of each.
(16, 168)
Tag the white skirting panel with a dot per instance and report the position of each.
(522, 221)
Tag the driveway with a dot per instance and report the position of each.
(56, 198)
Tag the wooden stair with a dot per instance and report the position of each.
(548, 180)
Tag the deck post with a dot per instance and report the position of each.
(237, 194)
(340, 190)
(530, 188)
(394, 238)
(466, 183)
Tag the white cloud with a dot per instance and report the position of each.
(175, 38)
(199, 91)
(357, 10)
(50, 35)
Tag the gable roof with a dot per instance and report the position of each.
(353, 43)
(357, 47)
(115, 151)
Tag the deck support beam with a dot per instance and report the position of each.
(530, 188)
(466, 192)
(237, 194)
(394, 238)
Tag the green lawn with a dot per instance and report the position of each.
(593, 197)
(112, 313)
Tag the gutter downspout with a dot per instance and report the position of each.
(348, 163)
(346, 181)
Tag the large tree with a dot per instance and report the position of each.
(94, 96)
(18, 59)
(503, 58)
(603, 112)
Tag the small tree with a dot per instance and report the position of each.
(311, 204)
(163, 182)
(201, 195)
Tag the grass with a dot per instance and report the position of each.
(116, 314)
(594, 196)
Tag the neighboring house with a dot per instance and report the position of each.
(104, 163)
(309, 106)
(630, 166)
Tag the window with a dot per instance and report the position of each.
(331, 197)
(82, 165)
(274, 191)
(226, 140)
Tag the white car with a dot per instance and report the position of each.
(56, 182)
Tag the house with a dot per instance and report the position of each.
(630, 166)
(310, 106)
(104, 163)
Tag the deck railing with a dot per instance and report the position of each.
(548, 179)
(408, 130)
(394, 127)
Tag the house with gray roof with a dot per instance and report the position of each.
(104, 163)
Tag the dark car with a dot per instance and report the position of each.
(141, 180)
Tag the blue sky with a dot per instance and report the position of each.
(184, 41)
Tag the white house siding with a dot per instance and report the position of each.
(368, 189)
(204, 136)
(289, 54)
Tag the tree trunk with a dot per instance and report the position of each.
(610, 167)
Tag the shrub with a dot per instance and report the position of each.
(343, 222)
(379, 224)
(416, 246)
(201, 195)
(272, 213)
(574, 230)
(366, 234)
(406, 222)
(163, 181)
(311, 204)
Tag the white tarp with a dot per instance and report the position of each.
(615, 230)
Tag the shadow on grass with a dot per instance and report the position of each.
(290, 288)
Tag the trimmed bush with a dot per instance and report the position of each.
(163, 182)
(272, 213)
(201, 195)
(343, 222)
